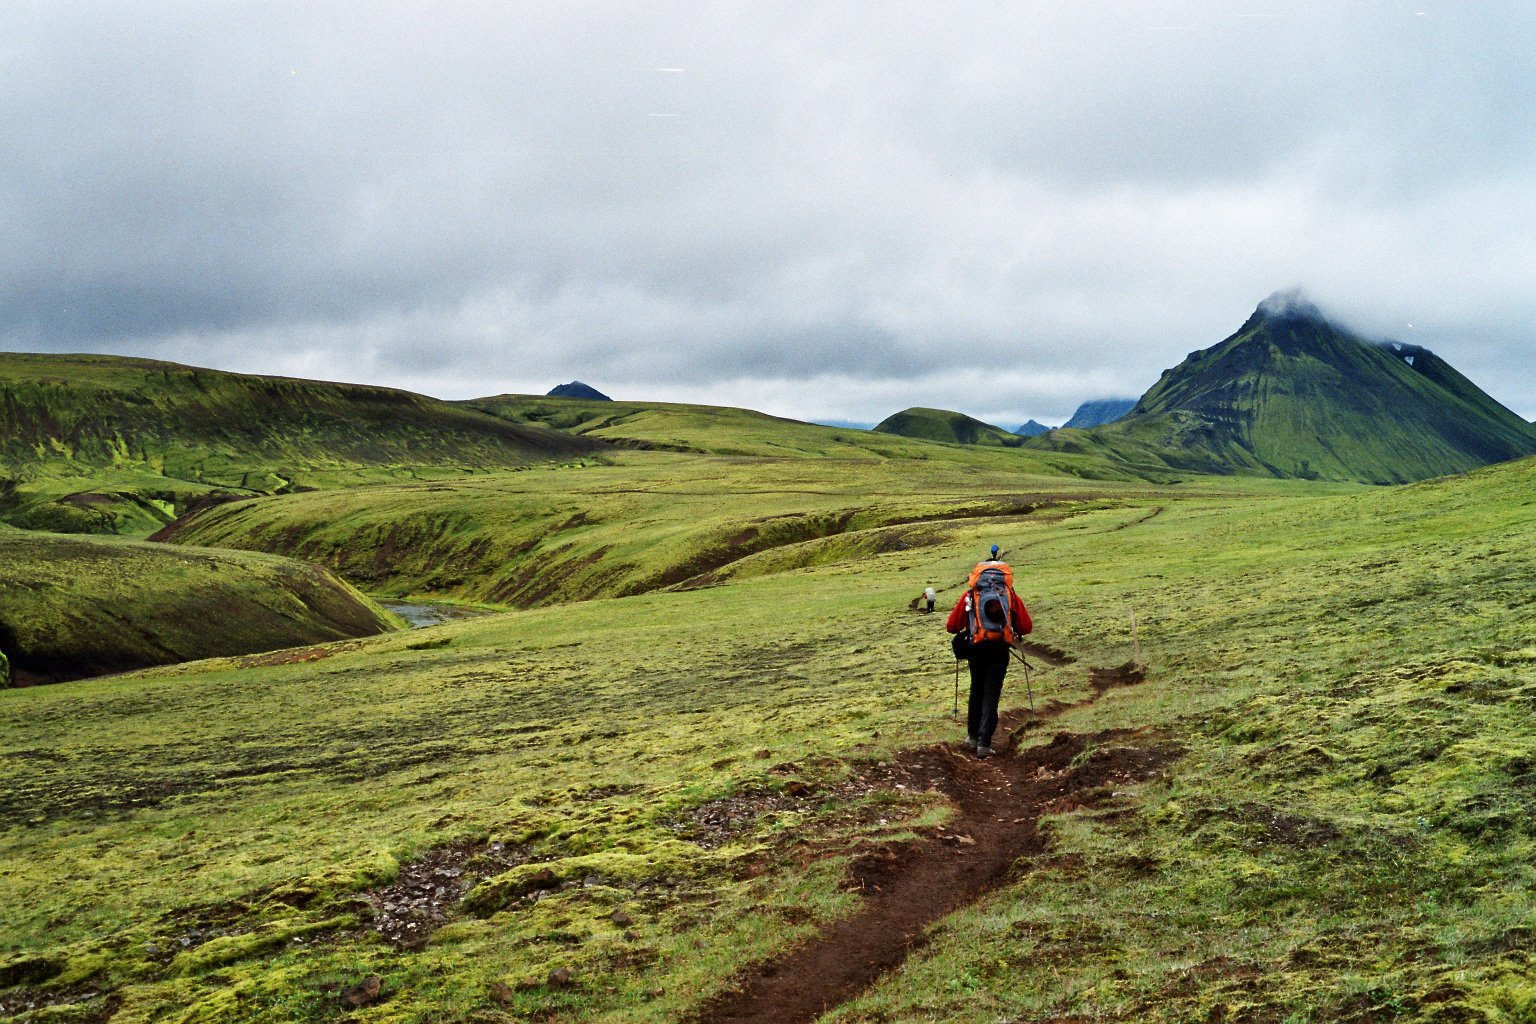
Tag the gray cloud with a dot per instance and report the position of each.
(820, 210)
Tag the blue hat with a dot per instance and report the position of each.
(994, 550)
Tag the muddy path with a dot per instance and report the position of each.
(906, 887)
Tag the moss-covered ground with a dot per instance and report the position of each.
(652, 792)
(78, 606)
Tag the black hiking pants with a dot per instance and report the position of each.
(989, 664)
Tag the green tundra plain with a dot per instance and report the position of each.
(592, 807)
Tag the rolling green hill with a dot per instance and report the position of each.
(142, 432)
(74, 606)
(1294, 395)
(946, 426)
(642, 521)
(715, 430)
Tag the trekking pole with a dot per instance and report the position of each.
(956, 712)
(1029, 686)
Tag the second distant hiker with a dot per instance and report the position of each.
(992, 617)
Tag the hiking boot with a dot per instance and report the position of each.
(982, 751)
(971, 742)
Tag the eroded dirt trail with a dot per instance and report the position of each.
(907, 887)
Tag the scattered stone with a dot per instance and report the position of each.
(501, 993)
(561, 977)
(364, 993)
(763, 755)
(621, 919)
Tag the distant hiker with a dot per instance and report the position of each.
(930, 596)
(986, 621)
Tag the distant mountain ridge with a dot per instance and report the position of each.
(1033, 429)
(1292, 394)
(1100, 411)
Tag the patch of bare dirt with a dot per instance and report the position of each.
(1128, 674)
(1046, 653)
(907, 886)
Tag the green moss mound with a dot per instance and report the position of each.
(946, 426)
(73, 606)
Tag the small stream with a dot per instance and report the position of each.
(420, 615)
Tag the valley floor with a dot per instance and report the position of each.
(1315, 804)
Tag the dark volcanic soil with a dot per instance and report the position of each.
(909, 886)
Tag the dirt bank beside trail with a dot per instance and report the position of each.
(908, 886)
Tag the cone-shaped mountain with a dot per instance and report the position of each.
(576, 389)
(1309, 398)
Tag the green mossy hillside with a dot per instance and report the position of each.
(72, 607)
(86, 417)
(639, 522)
(1346, 833)
(949, 427)
(1292, 394)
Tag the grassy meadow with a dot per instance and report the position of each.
(651, 792)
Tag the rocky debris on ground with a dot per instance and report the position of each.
(424, 894)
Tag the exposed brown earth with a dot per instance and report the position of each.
(908, 886)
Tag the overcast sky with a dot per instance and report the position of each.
(821, 210)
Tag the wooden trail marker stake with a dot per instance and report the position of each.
(1136, 639)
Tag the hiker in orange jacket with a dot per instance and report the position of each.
(992, 616)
